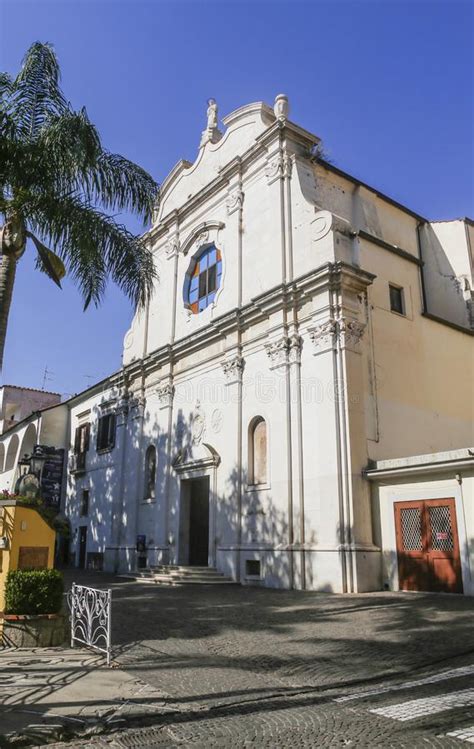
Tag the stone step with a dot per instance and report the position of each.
(185, 573)
(179, 575)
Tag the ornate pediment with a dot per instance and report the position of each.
(196, 458)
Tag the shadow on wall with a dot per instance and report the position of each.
(447, 295)
(113, 499)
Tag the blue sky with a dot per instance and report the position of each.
(386, 85)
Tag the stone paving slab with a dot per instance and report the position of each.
(240, 667)
(49, 689)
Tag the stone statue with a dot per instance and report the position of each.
(211, 134)
(211, 114)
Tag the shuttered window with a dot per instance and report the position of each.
(81, 439)
(106, 432)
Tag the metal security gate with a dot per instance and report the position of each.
(428, 546)
(91, 618)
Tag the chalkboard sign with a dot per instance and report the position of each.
(51, 475)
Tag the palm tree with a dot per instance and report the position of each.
(55, 177)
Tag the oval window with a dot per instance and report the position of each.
(202, 280)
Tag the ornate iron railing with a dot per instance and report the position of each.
(91, 618)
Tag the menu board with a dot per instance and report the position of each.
(51, 475)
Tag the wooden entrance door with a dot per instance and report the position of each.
(199, 523)
(428, 546)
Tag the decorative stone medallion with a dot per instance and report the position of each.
(198, 425)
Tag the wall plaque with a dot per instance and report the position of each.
(33, 558)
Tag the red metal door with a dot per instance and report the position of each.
(428, 546)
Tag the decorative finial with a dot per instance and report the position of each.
(281, 107)
(211, 134)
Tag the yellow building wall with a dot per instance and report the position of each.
(23, 527)
(423, 371)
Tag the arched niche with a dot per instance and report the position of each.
(12, 452)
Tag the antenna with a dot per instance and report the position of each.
(47, 376)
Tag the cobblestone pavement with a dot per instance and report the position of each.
(241, 667)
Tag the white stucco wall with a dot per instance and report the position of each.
(301, 334)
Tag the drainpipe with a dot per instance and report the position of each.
(422, 278)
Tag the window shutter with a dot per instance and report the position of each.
(77, 440)
(87, 432)
(111, 435)
(100, 425)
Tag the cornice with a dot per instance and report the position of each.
(337, 275)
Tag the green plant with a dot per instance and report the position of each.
(33, 592)
(55, 176)
(50, 515)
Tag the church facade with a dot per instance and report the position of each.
(303, 369)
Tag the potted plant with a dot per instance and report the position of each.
(33, 609)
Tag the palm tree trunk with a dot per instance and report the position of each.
(7, 280)
(12, 247)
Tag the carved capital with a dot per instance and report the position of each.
(137, 406)
(165, 393)
(350, 332)
(323, 336)
(277, 352)
(233, 369)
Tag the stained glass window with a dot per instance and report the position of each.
(203, 279)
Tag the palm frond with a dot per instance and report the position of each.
(70, 146)
(119, 184)
(36, 93)
(48, 262)
(93, 246)
(6, 85)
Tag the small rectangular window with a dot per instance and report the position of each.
(252, 567)
(106, 432)
(397, 302)
(85, 503)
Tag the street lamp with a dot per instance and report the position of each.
(37, 461)
(23, 465)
